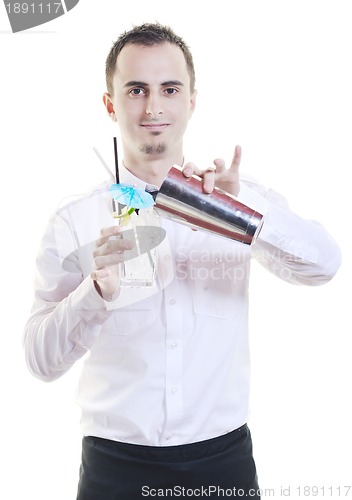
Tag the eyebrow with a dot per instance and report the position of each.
(137, 83)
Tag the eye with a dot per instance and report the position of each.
(136, 92)
(171, 91)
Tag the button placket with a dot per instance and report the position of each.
(173, 362)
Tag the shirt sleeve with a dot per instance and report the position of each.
(68, 315)
(296, 250)
(67, 312)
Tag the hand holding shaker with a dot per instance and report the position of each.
(221, 213)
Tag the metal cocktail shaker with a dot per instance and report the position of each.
(183, 200)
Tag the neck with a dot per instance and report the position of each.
(152, 170)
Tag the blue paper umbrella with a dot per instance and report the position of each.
(131, 196)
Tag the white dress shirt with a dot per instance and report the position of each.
(169, 364)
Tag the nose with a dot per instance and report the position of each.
(154, 105)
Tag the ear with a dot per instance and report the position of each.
(107, 100)
(192, 103)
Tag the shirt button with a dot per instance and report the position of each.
(172, 302)
(168, 437)
(173, 345)
(174, 390)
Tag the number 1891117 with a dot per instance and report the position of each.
(32, 8)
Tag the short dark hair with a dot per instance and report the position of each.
(147, 34)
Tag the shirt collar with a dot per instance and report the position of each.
(126, 177)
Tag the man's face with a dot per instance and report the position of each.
(152, 100)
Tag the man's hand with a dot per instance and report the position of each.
(219, 176)
(107, 257)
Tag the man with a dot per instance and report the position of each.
(164, 387)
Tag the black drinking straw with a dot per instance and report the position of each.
(116, 162)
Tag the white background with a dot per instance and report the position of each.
(273, 76)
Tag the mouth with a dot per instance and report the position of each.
(155, 127)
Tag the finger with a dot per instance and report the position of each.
(236, 160)
(106, 281)
(109, 231)
(191, 169)
(100, 274)
(208, 180)
(219, 165)
(116, 246)
(207, 175)
(106, 233)
(104, 261)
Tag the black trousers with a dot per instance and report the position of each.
(222, 467)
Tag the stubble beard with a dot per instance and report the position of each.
(151, 149)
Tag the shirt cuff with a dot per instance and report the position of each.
(88, 304)
(252, 199)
